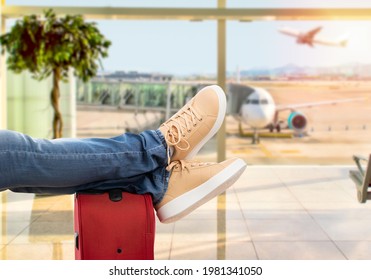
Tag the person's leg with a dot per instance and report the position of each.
(136, 162)
(154, 183)
(25, 161)
(65, 163)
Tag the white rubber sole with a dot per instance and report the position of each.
(219, 120)
(189, 201)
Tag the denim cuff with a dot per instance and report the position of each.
(161, 137)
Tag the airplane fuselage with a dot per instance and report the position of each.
(259, 109)
(302, 39)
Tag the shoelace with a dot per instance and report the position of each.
(179, 125)
(183, 164)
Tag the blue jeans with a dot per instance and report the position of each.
(134, 162)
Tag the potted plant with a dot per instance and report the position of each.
(51, 45)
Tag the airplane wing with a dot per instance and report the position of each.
(310, 34)
(289, 31)
(293, 107)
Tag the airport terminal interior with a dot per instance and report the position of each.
(295, 200)
(271, 213)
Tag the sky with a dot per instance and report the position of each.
(183, 47)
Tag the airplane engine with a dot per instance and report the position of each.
(297, 121)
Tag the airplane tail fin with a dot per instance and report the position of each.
(343, 41)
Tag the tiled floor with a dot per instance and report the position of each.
(272, 212)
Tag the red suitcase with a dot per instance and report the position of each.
(114, 225)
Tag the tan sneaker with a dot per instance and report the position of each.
(192, 184)
(194, 124)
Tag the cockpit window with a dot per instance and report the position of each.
(256, 101)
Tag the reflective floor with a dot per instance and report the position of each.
(272, 212)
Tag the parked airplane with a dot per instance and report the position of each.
(310, 37)
(259, 111)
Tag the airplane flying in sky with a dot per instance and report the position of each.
(310, 37)
(259, 111)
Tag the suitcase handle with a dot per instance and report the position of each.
(115, 195)
(77, 240)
